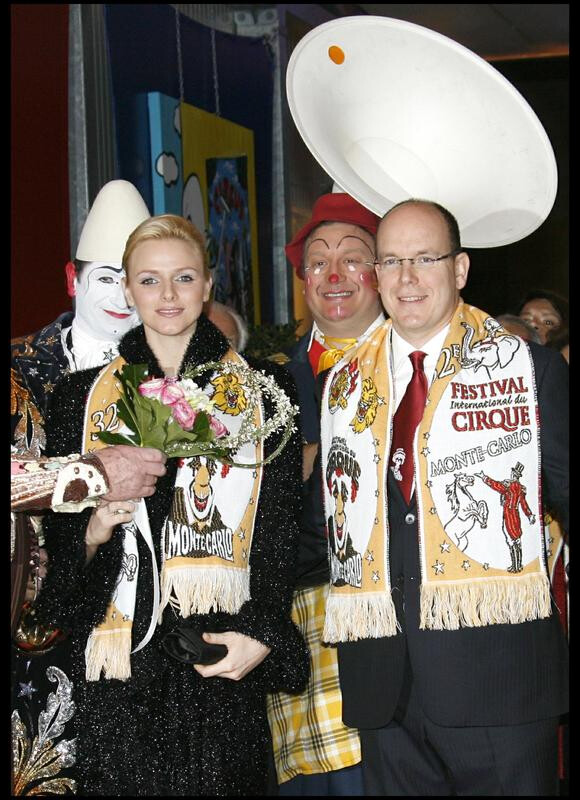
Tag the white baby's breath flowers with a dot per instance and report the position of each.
(256, 385)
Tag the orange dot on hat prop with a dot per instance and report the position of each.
(336, 54)
(333, 207)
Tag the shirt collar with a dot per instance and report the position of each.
(319, 336)
(402, 349)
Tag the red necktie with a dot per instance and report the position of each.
(407, 417)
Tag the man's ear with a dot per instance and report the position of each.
(461, 270)
(71, 275)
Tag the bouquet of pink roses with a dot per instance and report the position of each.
(175, 415)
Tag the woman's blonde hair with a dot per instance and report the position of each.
(166, 226)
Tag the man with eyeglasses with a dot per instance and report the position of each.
(315, 753)
(452, 661)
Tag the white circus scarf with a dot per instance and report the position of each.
(206, 538)
(477, 469)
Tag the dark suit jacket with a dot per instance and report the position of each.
(492, 675)
(312, 564)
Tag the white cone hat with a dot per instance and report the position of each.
(392, 110)
(116, 212)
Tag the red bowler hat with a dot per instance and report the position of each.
(333, 207)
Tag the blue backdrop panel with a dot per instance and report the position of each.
(166, 161)
(142, 44)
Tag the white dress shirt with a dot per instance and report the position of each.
(402, 367)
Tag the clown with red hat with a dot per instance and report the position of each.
(334, 255)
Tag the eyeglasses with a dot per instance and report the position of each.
(423, 262)
(349, 263)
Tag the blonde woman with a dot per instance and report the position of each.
(147, 724)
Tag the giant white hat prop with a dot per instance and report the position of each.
(116, 212)
(392, 110)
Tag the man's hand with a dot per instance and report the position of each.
(309, 451)
(244, 654)
(132, 472)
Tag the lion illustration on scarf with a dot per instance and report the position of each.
(366, 410)
(229, 395)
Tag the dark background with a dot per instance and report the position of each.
(500, 276)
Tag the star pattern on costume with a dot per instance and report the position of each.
(376, 576)
(369, 556)
(425, 451)
(376, 520)
(242, 535)
(445, 547)
(48, 386)
(426, 435)
(550, 540)
(254, 474)
(486, 566)
(376, 443)
(33, 371)
(50, 340)
(26, 690)
(108, 355)
(244, 553)
(466, 565)
(377, 493)
(376, 458)
(439, 567)
(549, 553)
(432, 510)
(428, 484)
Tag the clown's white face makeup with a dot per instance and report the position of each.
(100, 306)
(340, 286)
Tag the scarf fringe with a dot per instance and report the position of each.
(202, 590)
(454, 605)
(348, 618)
(109, 651)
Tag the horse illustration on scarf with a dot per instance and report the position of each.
(466, 510)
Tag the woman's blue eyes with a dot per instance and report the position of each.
(181, 278)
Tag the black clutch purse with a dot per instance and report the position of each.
(185, 644)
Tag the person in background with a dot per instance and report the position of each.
(560, 340)
(547, 311)
(87, 336)
(229, 322)
(452, 659)
(519, 327)
(315, 753)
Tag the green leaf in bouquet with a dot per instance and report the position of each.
(134, 374)
(116, 438)
(201, 427)
(126, 415)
